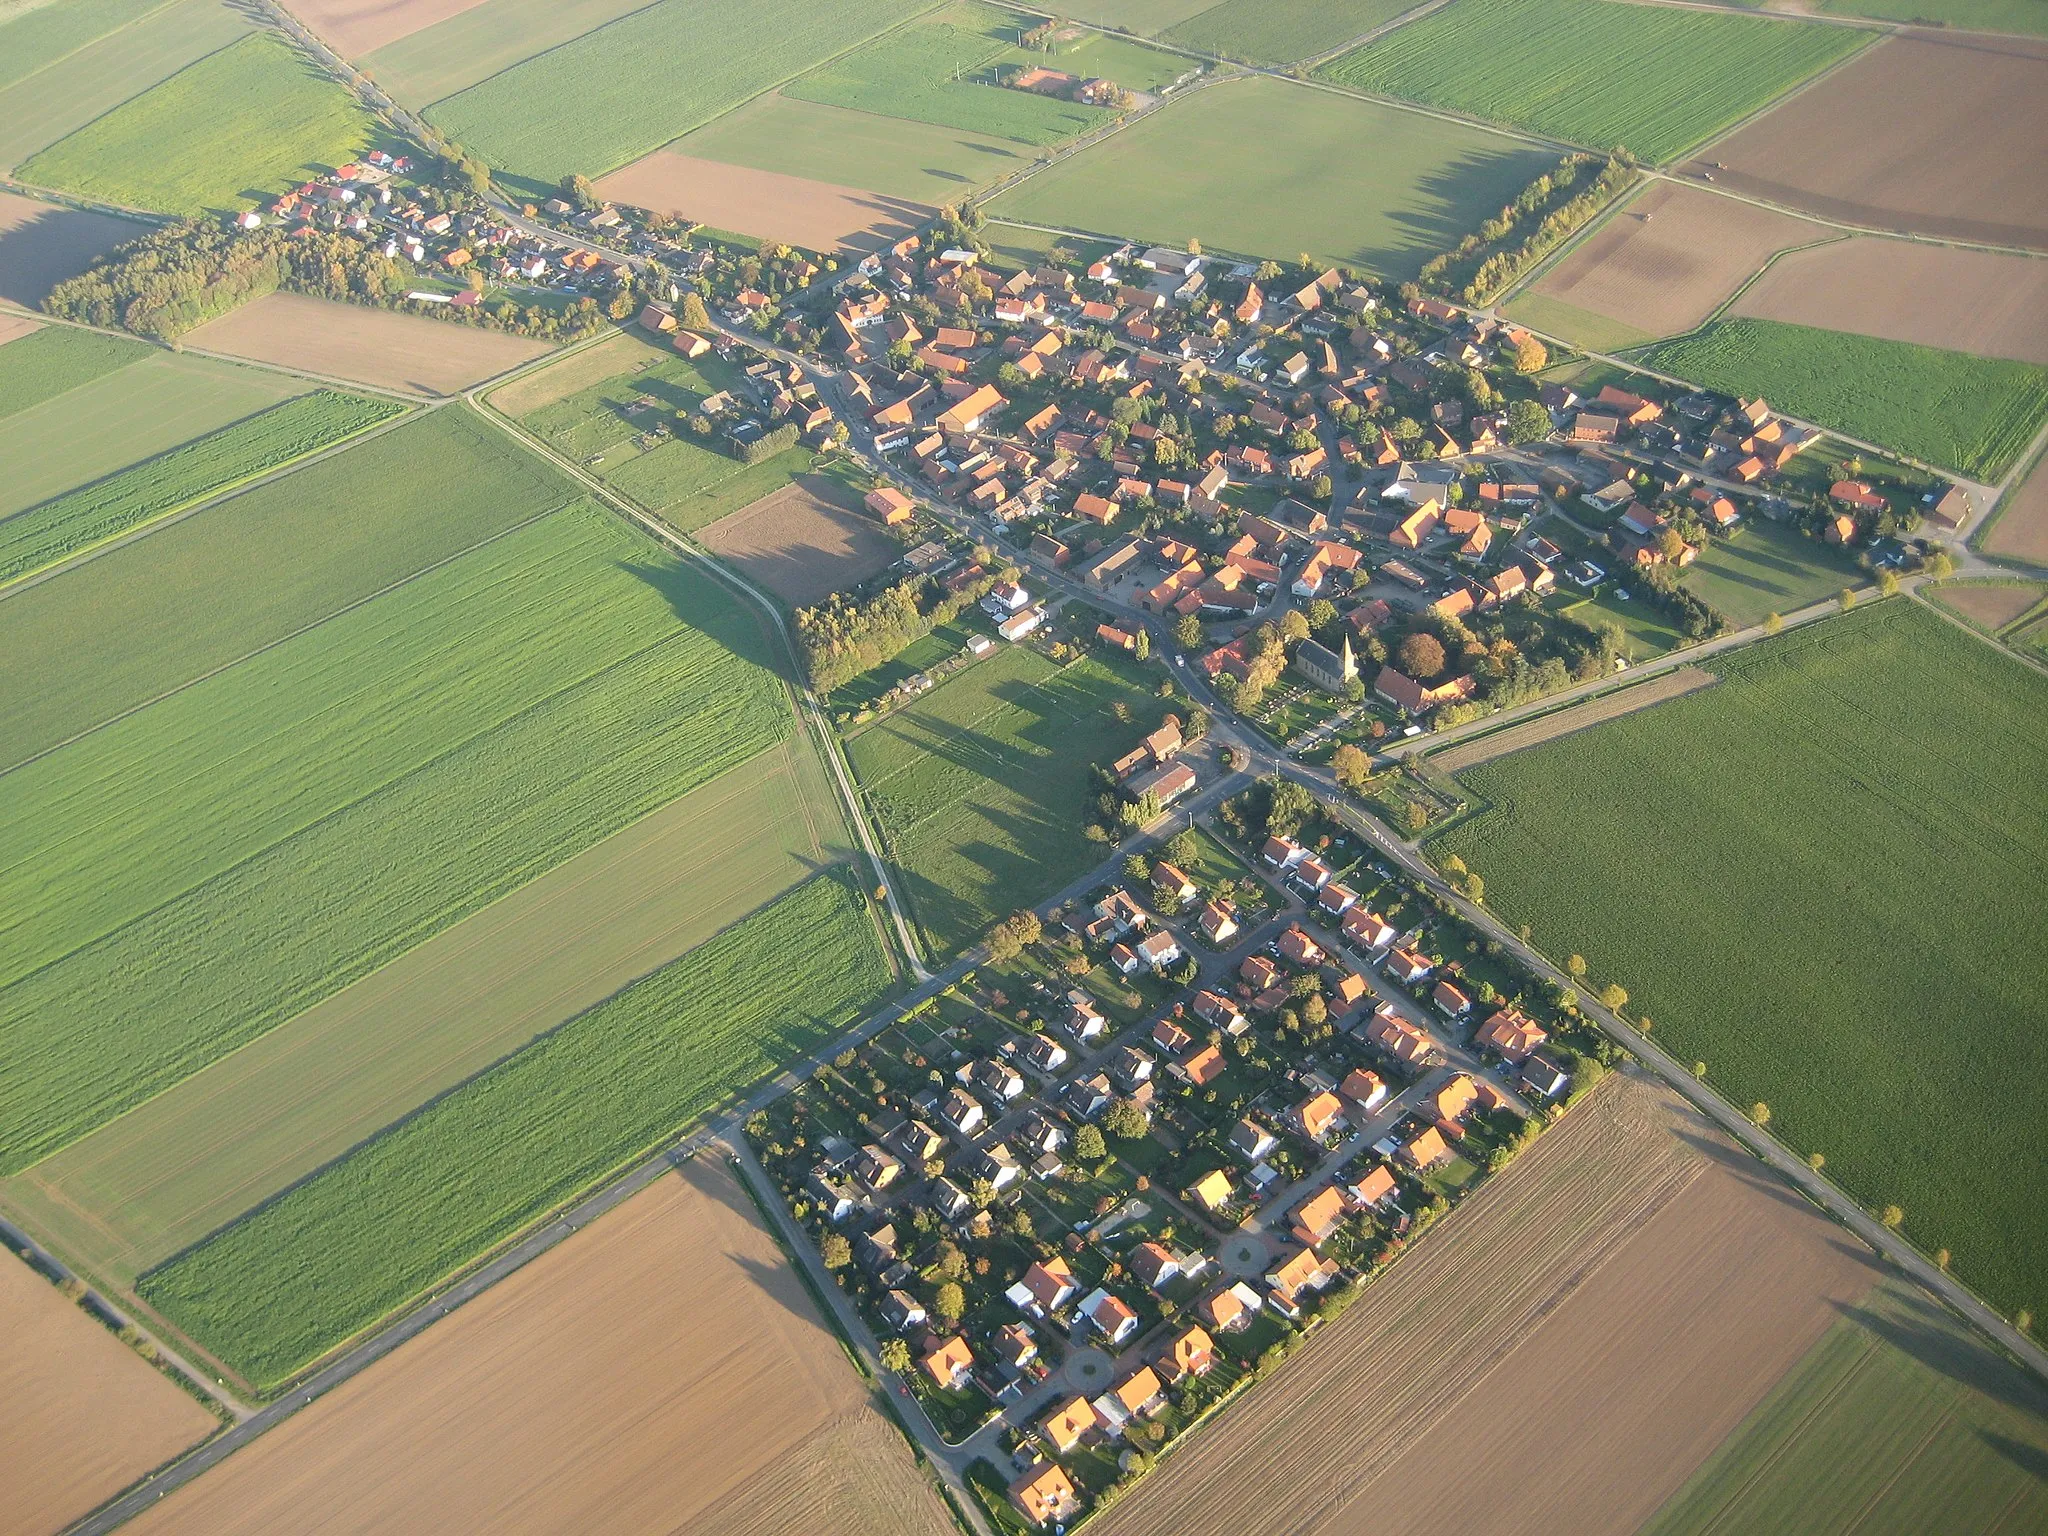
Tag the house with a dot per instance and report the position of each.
(1212, 1191)
(1111, 1318)
(1300, 1274)
(1217, 923)
(1363, 1088)
(1084, 1021)
(1045, 1053)
(916, 1141)
(1297, 948)
(1317, 1218)
(1414, 529)
(967, 414)
(1282, 853)
(1231, 1309)
(1204, 1067)
(877, 1169)
(1000, 1082)
(962, 1111)
(1191, 1352)
(997, 1165)
(1408, 967)
(1450, 1001)
(948, 1200)
(1066, 1424)
(1511, 1032)
(1130, 1067)
(1376, 1190)
(950, 1365)
(1319, 1114)
(1426, 1150)
(1397, 1037)
(1453, 1100)
(1953, 509)
(1252, 1141)
(1841, 529)
(1368, 930)
(1335, 900)
(1347, 992)
(1018, 625)
(875, 1251)
(1169, 783)
(902, 1311)
(1045, 1495)
(1170, 1037)
(1090, 1097)
(1046, 1287)
(890, 505)
(1544, 1077)
(1154, 1265)
(1014, 1346)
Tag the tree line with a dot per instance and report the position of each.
(842, 638)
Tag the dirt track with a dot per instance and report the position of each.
(1609, 706)
(41, 244)
(353, 28)
(803, 543)
(662, 1370)
(813, 214)
(371, 346)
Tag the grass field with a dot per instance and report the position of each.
(61, 527)
(1281, 31)
(475, 44)
(1982, 15)
(1899, 1421)
(1764, 569)
(337, 1252)
(1974, 415)
(1803, 885)
(1148, 18)
(1249, 168)
(983, 786)
(38, 38)
(1579, 327)
(1655, 79)
(614, 94)
(227, 131)
(49, 362)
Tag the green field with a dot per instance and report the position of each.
(983, 786)
(1596, 72)
(1148, 18)
(1979, 15)
(1262, 167)
(1973, 415)
(232, 129)
(324, 1261)
(1900, 1421)
(628, 88)
(61, 527)
(648, 393)
(1015, 245)
(1579, 327)
(484, 40)
(1764, 568)
(49, 362)
(1808, 877)
(40, 37)
(1281, 31)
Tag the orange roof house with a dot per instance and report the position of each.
(1415, 527)
(1191, 1352)
(1376, 1188)
(1317, 1218)
(1205, 1066)
(890, 505)
(1455, 1098)
(949, 1364)
(1513, 1033)
(1427, 1150)
(1066, 1424)
(1212, 1190)
(1046, 1494)
(970, 412)
(1318, 1113)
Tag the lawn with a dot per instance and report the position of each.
(481, 41)
(365, 1235)
(1653, 78)
(983, 786)
(1281, 31)
(56, 359)
(1973, 415)
(61, 527)
(226, 132)
(1016, 246)
(1262, 167)
(1766, 568)
(1579, 327)
(1808, 881)
(616, 93)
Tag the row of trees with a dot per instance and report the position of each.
(842, 638)
(1492, 270)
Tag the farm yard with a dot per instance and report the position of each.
(308, 1270)
(1764, 568)
(81, 1414)
(804, 542)
(41, 244)
(483, 40)
(663, 1367)
(1246, 167)
(1281, 31)
(1657, 80)
(1822, 792)
(2019, 530)
(766, 203)
(1927, 134)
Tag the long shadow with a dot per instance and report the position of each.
(700, 602)
(2030, 1459)
(1928, 1334)
(57, 243)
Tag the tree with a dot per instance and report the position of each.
(1940, 565)
(475, 175)
(1815, 1161)
(1137, 868)
(1613, 997)
(1089, 1146)
(1314, 1010)
(949, 1302)
(1351, 766)
(1294, 625)
(1144, 649)
(1847, 599)
(1699, 1070)
(1531, 356)
(1007, 940)
(1760, 1112)
(836, 1251)
(1126, 1121)
(1322, 488)
(1941, 1260)
(895, 1355)
(1773, 622)
(1421, 656)
(1892, 1217)
(1528, 422)
(1194, 246)
(1415, 816)
(1888, 583)
(1575, 966)
(1187, 632)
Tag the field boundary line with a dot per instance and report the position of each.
(1883, 32)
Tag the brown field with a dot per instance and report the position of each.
(1667, 273)
(1923, 133)
(13, 325)
(662, 1370)
(1938, 296)
(365, 345)
(813, 214)
(356, 27)
(1609, 706)
(804, 542)
(1990, 605)
(2020, 531)
(41, 244)
(81, 1415)
(1558, 1357)
(577, 372)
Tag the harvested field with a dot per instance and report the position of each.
(367, 346)
(2020, 529)
(662, 1370)
(81, 1414)
(1608, 1310)
(1965, 301)
(1671, 257)
(41, 244)
(1934, 135)
(356, 27)
(1623, 701)
(1990, 605)
(804, 542)
(13, 325)
(813, 214)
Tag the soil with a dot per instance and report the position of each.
(1990, 605)
(1924, 133)
(41, 244)
(2021, 529)
(813, 214)
(366, 345)
(1623, 701)
(1673, 256)
(81, 1415)
(804, 542)
(13, 325)
(662, 1370)
(353, 28)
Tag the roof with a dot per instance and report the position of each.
(1191, 1348)
(1204, 1067)
(1045, 1492)
(1427, 1149)
(1066, 1424)
(1212, 1188)
(1139, 1390)
(948, 1360)
(1320, 1213)
(1317, 1111)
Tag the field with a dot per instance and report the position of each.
(61, 527)
(364, 1235)
(1984, 302)
(1281, 31)
(1015, 245)
(664, 1368)
(1763, 568)
(1898, 1421)
(1973, 415)
(81, 1414)
(614, 94)
(354, 28)
(41, 244)
(804, 542)
(41, 36)
(364, 345)
(223, 133)
(620, 352)
(1607, 1311)
(69, 92)
(1990, 605)
(1987, 15)
(764, 203)
(983, 785)
(1147, 18)
(46, 363)
(192, 1159)
(2020, 530)
(1856, 799)
(481, 41)
(1609, 706)
(1248, 168)
(1928, 134)
(1668, 258)
(1654, 79)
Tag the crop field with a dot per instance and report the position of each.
(67, 93)
(663, 1369)
(1900, 1420)
(1861, 797)
(39, 37)
(614, 94)
(1985, 15)
(42, 243)
(1147, 18)
(804, 542)
(2019, 530)
(1281, 31)
(365, 345)
(192, 1159)
(1763, 568)
(81, 1414)
(1974, 415)
(353, 28)
(480, 41)
(1655, 79)
(318, 1264)
(45, 363)
(1248, 168)
(983, 785)
(1613, 1304)
(59, 528)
